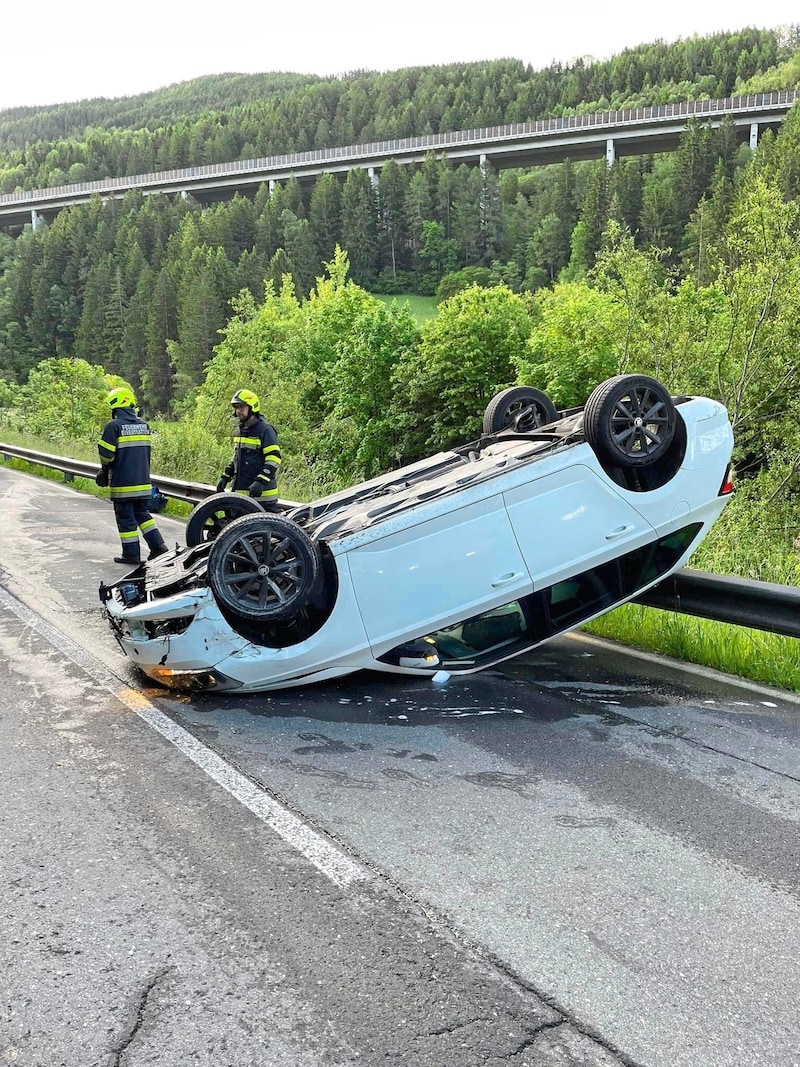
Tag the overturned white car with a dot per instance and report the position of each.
(453, 563)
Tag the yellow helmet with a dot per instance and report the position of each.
(122, 397)
(244, 396)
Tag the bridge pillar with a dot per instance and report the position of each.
(754, 135)
(611, 153)
(272, 184)
(373, 177)
(36, 219)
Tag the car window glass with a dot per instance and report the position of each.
(492, 635)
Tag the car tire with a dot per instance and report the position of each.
(630, 420)
(263, 567)
(522, 407)
(212, 515)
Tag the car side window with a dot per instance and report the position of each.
(527, 621)
(597, 589)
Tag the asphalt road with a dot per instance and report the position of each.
(587, 859)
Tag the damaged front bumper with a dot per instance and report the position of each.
(165, 637)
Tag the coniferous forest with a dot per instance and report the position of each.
(683, 265)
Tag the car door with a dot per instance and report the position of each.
(570, 520)
(437, 571)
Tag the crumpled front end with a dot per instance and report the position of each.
(166, 621)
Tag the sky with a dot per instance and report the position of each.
(57, 52)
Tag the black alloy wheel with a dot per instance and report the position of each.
(630, 420)
(263, 567)
(213, 514)
(520, 407)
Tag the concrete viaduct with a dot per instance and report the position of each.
(609, 134)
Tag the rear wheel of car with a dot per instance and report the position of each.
(630, 420)
(212, 515)
(263, 567)
(521, 407)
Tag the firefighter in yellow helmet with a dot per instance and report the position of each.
(124, 448)
(256, 455)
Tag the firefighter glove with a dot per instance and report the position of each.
(222, 485)
(257, 488)
(101, 478)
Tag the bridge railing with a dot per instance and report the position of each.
(753, 102)
(757, 605)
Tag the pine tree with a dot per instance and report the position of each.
(394, 243)
(360, 226)
(325, 215)
(202, 311)
(490, 235)
(466, 219)
(161, 327)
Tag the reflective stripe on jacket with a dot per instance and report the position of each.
(124, 448)
(257, 457)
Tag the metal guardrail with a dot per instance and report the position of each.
(757, 605)
(189, 492)
(399, 147)
(755, 106)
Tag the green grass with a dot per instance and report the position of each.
(770, 659)
(421, 307)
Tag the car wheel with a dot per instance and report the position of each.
(263, 567)
(630, 420)
(521, 407)
(211, 516)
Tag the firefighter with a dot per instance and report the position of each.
(256, 456)
(124, 448)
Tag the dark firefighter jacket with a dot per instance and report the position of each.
(124, 448)
(256, 457)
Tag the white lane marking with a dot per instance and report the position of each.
(328, 859)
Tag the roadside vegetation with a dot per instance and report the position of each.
(422, 308)
(762, 657)
(684, 266)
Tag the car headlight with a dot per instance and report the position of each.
(203, 678)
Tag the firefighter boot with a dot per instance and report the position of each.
(130, 548)
(156, 543)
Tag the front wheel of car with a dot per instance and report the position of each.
(263, 567)
(213, 514)
(521, 407)
(630, 420)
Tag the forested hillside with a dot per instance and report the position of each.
(226, 117)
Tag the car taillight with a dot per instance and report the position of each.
(727, 483)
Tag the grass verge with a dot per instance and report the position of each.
(753, 654)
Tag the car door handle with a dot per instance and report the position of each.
(619, 531)
(504, 579)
